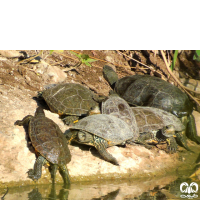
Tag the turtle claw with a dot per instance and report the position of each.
(32, 175)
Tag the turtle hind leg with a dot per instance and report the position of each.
(101, 145)
(70, 120)
(25, 120)
(36, 173)
(191, 130)
(53, 169)
(144, 139)
(65, 174)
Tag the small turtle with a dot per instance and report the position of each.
(146, 120)
(101, 131)
(151, 91)
(50, 145)
(70, 100)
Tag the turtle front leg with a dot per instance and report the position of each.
(36, 173)
(171, 145)
(101, 145)
(25, 120)
(191, 130)
(182, 140)
(65, 174)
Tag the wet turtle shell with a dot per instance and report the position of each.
(108, 127)
(70, 99)
(47, 139)
(50, 145)
(146, 90)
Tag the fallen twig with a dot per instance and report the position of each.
(2, 198)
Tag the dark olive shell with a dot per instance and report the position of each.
(48, 140)
(145, 90)
(69, 99)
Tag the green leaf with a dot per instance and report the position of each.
(197, 55)
(174, 60)
(88, 64)
(91, 60)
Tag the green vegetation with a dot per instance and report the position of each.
(174, 60)
(197, 55)
(84, 58)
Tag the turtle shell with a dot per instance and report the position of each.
(108, 127)
(48, 140)
(145, 90)
(150, 119)
(118, 107)
(69, 99)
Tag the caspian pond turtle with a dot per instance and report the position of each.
(101, 131)
(151, 91)
(50, 145)
(70, 100)
(145, 122)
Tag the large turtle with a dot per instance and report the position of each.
(151, 91)
(50, 145)
(146, 120)
(101, 131)
(70, 100)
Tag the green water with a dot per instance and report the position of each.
(162, 188)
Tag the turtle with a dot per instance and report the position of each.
(101, 131)
(146, 120)
(160, 125)
(70, 100)
(151, 91)
(50, 145)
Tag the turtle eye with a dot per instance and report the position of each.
(81, 136)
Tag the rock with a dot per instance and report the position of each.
(17, 156)
(56, 74)
(11, 53)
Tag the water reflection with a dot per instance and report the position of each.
(167, 187)
(63, 194)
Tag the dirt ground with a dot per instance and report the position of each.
(29, 76)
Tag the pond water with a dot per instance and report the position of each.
(167, 187)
